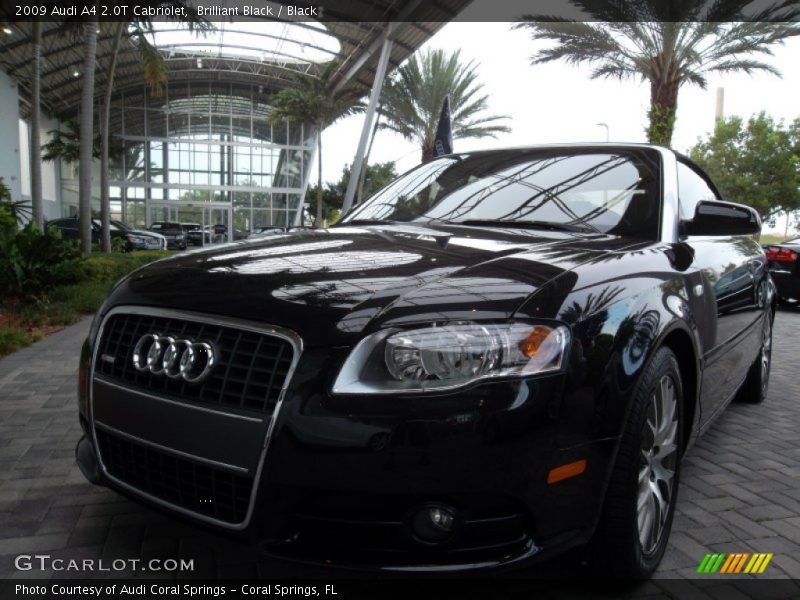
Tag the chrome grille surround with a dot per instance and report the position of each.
(291, 337)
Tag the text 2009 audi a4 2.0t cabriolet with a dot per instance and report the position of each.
(499, 356)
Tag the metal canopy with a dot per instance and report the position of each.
(359, 26)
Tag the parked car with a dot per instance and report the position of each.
(785, 270)
(220, 233)
(195, 233)
(209, 234)
(173, 232)
(499, 356)
(135, 239)
(267, 231)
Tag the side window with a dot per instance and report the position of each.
(691, 189)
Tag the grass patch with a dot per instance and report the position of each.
(82, 298)
(772, 238)
(13, 339)
(25, 320)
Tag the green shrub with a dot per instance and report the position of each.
(82, 298)
(101, 267)
(14, 338)
(118, 245)
(113, 266)
(32, 262)
(46, 311)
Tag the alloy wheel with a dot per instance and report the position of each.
(658, 462)
(766, 355)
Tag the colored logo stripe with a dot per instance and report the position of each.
(711, 563)
(720, 562)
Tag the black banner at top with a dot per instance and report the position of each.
(383, 11)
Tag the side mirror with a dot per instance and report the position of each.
(714, 217)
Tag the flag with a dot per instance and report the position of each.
(443, 144)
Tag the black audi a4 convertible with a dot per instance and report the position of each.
(501, 355)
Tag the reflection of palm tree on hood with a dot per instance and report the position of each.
(576, 312)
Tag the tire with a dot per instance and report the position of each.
(756, 385)
(644, 482)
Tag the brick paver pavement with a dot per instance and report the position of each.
(740, 487)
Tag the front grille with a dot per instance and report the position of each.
(200, 488)
(251, 369)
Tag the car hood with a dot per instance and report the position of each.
(331, 286)
(144, 232)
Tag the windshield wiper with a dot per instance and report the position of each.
(525, 225)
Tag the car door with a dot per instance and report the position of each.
(729, 300)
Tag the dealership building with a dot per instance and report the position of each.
(202, 150)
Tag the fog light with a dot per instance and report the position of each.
(433, 523)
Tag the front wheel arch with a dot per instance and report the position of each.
(615, 534)
(680, 342)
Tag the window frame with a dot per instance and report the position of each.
(694, 168)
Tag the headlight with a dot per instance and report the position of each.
(452, 355)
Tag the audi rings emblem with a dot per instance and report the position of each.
(165, 355)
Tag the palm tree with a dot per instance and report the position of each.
(36, 126)
(413, 97)
(310, 101)
(87, 135)
(105, 118)
(65, 143)
(667, 44)
(155, 73)
(155, 77)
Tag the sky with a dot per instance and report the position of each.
(559, 103)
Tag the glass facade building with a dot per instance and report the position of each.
(205, 153)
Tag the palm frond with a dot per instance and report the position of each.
(668, 43)
(153, 64)
(744, 65)
(309, 100)
(413, 97)
(678, 42)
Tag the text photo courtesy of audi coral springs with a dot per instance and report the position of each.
(174, 590)
(425, 384)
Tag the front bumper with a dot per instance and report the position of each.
(343, 476)
(176, 244)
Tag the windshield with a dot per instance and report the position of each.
(171, 227)
(584, 190)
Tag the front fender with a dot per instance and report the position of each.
(611, 349)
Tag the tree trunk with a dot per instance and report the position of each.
(36, 126)
(428, 146)
(87, 136)
(105, 118)
(318, 222)
(663, 108)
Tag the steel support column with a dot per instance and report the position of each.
(369, 119)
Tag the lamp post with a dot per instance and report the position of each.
(607, 129)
